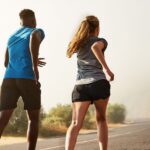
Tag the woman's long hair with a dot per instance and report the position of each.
(87, 26)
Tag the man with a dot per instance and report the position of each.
(21, 76)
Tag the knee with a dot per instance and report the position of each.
(76, 125)
(33, 121)
(101, 119)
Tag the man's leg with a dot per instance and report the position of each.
(31, 95)
(4, 118)
(33, 126)
(8, 101)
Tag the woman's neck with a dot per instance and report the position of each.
(93, 34)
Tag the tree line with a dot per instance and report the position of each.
(56, 121)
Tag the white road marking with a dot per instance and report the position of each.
(93, 140)
(61, 146)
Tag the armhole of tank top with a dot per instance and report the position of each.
(104, 41)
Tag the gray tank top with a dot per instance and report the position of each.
(89, 68)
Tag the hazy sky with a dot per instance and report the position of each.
(124, 23)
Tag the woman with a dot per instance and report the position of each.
(91, 86)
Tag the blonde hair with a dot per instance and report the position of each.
(87, 26)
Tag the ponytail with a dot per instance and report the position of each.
(86, 27)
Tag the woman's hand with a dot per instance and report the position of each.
(110, 74)
(41, 63)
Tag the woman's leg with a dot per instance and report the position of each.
(102, 127)
(78, 114)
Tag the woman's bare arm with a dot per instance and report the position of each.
(97, 48)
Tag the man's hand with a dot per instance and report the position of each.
(41, 63)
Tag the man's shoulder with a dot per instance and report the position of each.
(38, 32)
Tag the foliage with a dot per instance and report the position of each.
(116, 113)
(58, 119)
(61, 115)
(18, 123)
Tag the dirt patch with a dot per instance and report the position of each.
(11, 140)
(118, 125)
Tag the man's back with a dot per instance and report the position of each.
(20, 62)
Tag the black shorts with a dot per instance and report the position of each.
(12, 89)
(91, 92)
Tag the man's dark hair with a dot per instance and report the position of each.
(25, 13)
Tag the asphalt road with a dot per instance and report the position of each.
(135, 136)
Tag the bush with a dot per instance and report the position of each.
(52, 126)
(116, 113)
(56, 121)
(60, 117)
(61, 114)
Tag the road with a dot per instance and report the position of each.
(135, 136)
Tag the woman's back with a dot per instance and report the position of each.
(89, 68)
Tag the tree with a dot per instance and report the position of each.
(18, 122)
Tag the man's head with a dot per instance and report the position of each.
(27, 18)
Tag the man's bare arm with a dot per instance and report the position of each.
(35, 41)
(6, 58)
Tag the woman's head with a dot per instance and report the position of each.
(88, 27)
(93, 25)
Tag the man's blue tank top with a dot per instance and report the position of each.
(20, 61)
